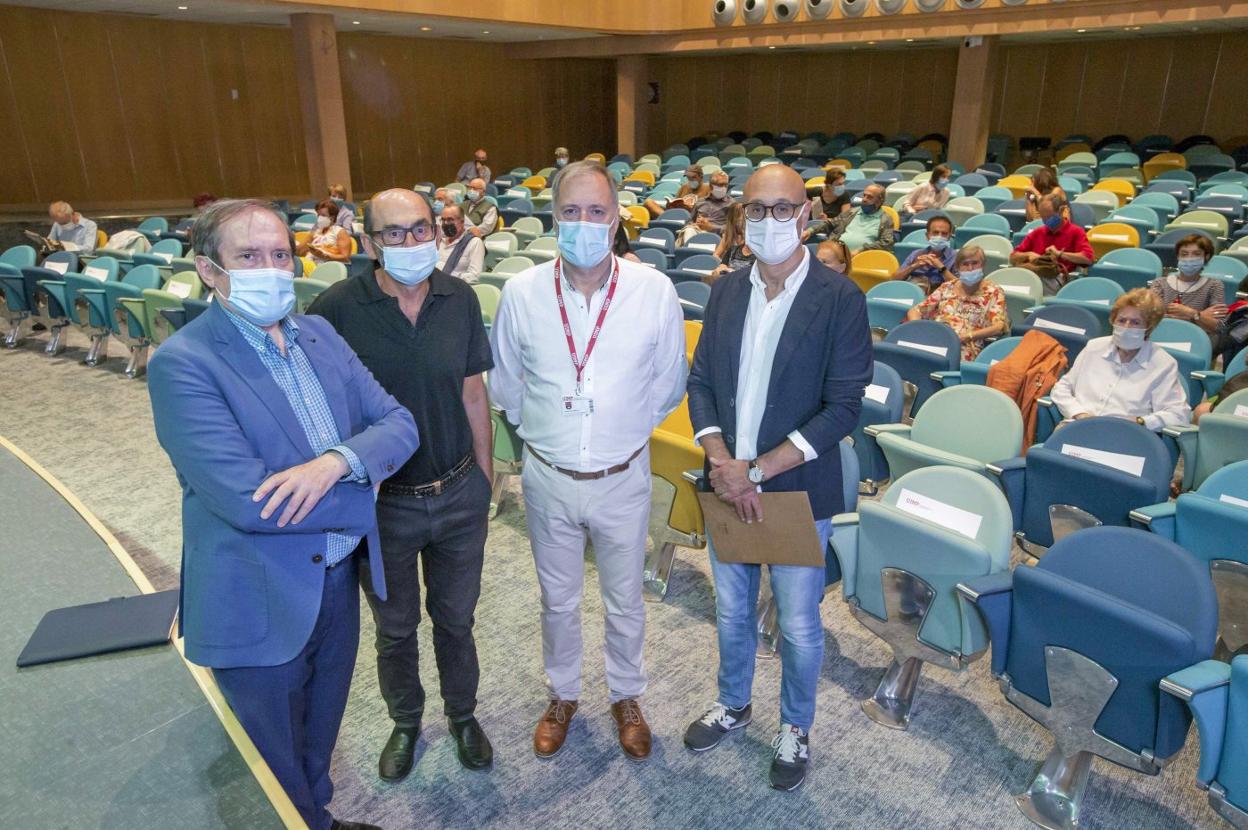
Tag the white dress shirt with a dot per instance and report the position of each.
(1148, 386)
(764, 323)
(635, 374)
(470, 264)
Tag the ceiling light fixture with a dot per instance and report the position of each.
(426, 28)
(355, 23)
(183, 8)
(771, 47)
(1080, 31)
(486, 32)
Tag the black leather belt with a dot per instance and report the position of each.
(433, 488)
(576, 475)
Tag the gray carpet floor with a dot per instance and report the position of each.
(967, 751)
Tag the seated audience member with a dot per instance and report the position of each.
(460, 254)
(475, 169)
(834, 255)
(1187, 293)
(327, 242)
(1043, 182)
(1233, 335)
(929, 267)
(933, 193)
(972, 306)
(561, 158)
(1232, 385)
(686, 197)
(831, 202)
(710, 214)
(480, 214)
(70, 229)
(1055, 248)
(1125, 375)
(346, 216)
(441, 198)
(620, 246)
(867, 227)
(732, 251)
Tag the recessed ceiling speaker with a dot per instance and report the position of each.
(818, 9)
(1014, 2)
(930, 5)
(970, 4)
(890, 6)
(786, 10)
(853, 8)
(723, 12)
(754, 10)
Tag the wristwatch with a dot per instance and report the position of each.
(1139, 420)
(755, 474)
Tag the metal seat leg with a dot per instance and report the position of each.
(137, 364)
(658, 571)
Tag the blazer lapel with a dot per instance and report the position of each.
(810, 298)
(327, 371)
(738, 308)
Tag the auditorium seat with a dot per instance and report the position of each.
(1219, 439)
(916, 349)
(652, 257)
(307, 289)
(1213, 380)
(1143, 218)
(1190, 346)
(1080, 643)
(870, 268)
(997, 250)
(542, 249)
(975, 372)
(1110, 236)
(1128, 267)
(1071, 325)
(962, 208)
(488, 297)
(978, 225)
(161, 254)
(678, 461)
(901, 559)
(329, 272)
(19, 280)
(1163, 244)
(888, 302)
(1212, 223)
(1099, 202)
(526, 229)
(145, 324)
(498, 246)
(100, 317)
(1023, 290)
(59, 297)
(1096, 294)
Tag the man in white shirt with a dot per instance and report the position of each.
(1125, 375)
(71, 229)
(459, 254)
(589, 357)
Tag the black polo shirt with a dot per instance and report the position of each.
(422, 365)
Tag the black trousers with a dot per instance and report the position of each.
(445, 536)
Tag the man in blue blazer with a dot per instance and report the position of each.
(278, 436)
(777, 382)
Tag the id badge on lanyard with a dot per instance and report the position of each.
(578, 403)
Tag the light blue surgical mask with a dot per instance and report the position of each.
(1190, 266)
(971, 278)
(261, 296)
(1129, 339)
(561, 162)
(940, 183)
(584, 244)
(838, 190)
(938, 243)
(410, 266)
(438, 204)
(1053, 223)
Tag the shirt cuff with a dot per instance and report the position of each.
(802, 444)
(1154, 422)
(697, 438)
(358, 471)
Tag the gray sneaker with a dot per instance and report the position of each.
(707, 731)
(791, 758)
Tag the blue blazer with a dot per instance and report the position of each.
(822, 364)
(251, 591)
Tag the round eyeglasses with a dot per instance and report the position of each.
(780, 211)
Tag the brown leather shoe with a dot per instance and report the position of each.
(634, 731)
(552, 729)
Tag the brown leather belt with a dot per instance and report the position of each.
(595, 475)
(433, 488)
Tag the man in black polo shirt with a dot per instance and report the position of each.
(419, 332)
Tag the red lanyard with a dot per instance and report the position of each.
(579, 365)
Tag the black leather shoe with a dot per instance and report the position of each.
(471, 745)
(396, 755)
(352, 825)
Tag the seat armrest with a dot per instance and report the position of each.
(1011, 474)
(844, 544)
(697, 478)
(947, 378)
(1211, 380)
(993, 596)
(1205, 688)
(900, 430)
(1159, 518)
(1187, 436)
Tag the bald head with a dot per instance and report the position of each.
(774, 183)
(397, 206)
(873, 195)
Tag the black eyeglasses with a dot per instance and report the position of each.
(780, 211)
(396, 235)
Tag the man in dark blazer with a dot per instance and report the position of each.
(777, 382)
(278, 436)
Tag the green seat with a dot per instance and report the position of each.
(488, 296)
(329, 273)
(1212, 223)
(542, 249)
(1219, 439)
(144, 323)
(526, 229)
(498, 246)
(307, 290)
(508, 457)
(968, 427)
(513, 265)
(1023, 290)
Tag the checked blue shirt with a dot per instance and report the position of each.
(294, 375)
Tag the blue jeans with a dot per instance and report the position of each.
(797, 590)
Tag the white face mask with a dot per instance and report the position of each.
(584, 244)
(472, 195)
(771, 241)
(1129, 339)
(323, 222)
(410, 266)
(1190, 266)
(719, 191)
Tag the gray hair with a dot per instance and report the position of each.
(1054, 200)
(969, 252)
(207, 234)
(574, 169)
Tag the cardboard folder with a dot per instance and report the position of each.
(785, 536)
(101, 628)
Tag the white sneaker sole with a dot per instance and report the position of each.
(731, 729)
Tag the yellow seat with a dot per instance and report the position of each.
(308, 265)
(302, 237)
(101, 239)
(1110, 236)
(893, 213)
(870, 268)
(1123, 189)
(843, 164)
(1070, 150)
(643, 176)
(813, 186)
(598, 157)
(1016, 184)
(693, 330)
(636, 220)
(1163, 162)
(534, 183)
(672, 453)
(932, 146)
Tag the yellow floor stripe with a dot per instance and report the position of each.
(203, 677)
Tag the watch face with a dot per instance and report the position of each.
(755, 475)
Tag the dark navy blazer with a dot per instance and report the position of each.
(251, 591)
(822, 365)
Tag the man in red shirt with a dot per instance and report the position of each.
(1055, 248)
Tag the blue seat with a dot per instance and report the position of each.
(1163, 244)
(1219, 439)
(987, 223)
(1188, 344)
(672, 219)
(1096, 294)
(153, 228)
(102, 304)
(1164, 204)
(1180, 191)
(900, 564)
(888, 302)
(1070, 325)
(19, 280)
(992, 197)
(882, 403)
(693, 298)
(1080, 643)
(916, 349)
(660, 239)
(60, 305)
(1213, 380)
(162, 254)
(515, 209)
(703, 242)
(1143, 218)
(1232, 207)
(1128, 267)
(652, 257)
(914, 240)
(972, 183)
(1103, 468)
(693, 268)
(1205, 165)
(918, 222)
(975, 372)
(1015, 210)
(1216, 693)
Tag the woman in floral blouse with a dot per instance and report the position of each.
(971, 305)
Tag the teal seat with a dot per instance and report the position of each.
(19, 305)
(162, 254)
(1096, 294)
(14, 259)
(1227, 270)
(993, 196)
(888, 302)
(1188, 344)
(915, 240)
(97, 306)
(1213, 380)
(307, 290)
(60, 297)
(996, 248)
(968, 427)
(1128, 267)
(987, 223)
(1184, 176)
(1219, 439)
(1163, 204)
(975, 372)
(153, 227)
(144, 324)
(901, 559)
(1023, 290)
(1143, 218)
